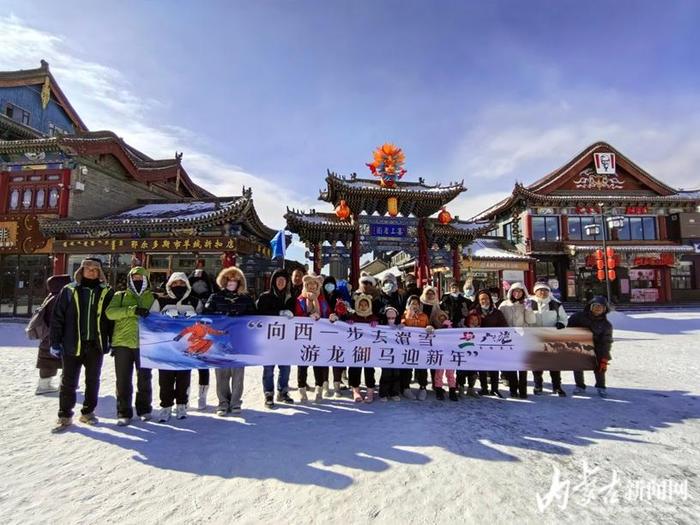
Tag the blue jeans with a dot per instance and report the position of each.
(282, 378)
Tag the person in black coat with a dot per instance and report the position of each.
(277, 301)
(80, 335)
(456, 305)
(201, 282)
(594, 318)
(47, 364)
(232, 300)
(389, 296)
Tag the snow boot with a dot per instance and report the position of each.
(602, 392)
(269, 400)
(181, 411)
(336, 389)
(235, 410)
(439, 393)
(326, 390)
(45, 387)
(302, 395)
(146, 417)
(396, 398)
(62, 424)
(202, 399)
(88, 419)
(123, 421)
(370, 395)
(559, 391)
(319, 394)
(284, 397)
(453, 394)
(537, 390)
(422, 394)
(222, 411)
(356, 395)
(408, 394)
(164, 414)
(496, 392)
(461, 390)
(580, 390)
(473, 393)
(484, 391)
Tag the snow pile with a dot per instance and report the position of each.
(478, 460)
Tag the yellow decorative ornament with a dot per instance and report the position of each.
(392, 206)
(45, 93)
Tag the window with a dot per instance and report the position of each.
(27, 199)
(40, 198)
(508, 231)
(53, 197)
(637, 229)
(17, 114)
(545, 270)
(577, 228)
(545, 228)
(682, 277)
(55, 130)
(14, 199)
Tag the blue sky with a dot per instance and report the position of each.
(270, 94)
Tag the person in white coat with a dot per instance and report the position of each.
(517, 310)
(548, 313)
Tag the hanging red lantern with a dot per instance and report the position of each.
(599, 254)
(609, 251)
(392, 206)
(342, 211)
(601, 275)
(600, 264)
(611, 263)
(611, 275)
(444, 216)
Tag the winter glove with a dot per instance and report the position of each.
(429, 329)
(315, 317)
(333, 318)
(560, 326)
(142, 312)
(286, 313)
(602, 364)
(56, 352)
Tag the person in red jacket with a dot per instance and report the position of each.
(363, 314)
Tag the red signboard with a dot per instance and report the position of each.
(665, 259)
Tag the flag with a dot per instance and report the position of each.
(278, 245)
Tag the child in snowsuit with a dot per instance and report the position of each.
(439, 319)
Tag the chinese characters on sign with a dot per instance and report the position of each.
(162, 244)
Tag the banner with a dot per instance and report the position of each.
(230, 342)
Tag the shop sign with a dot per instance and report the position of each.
(20, 234)
(161, 244)
(664, 259)
(604, 163)
(497, 265)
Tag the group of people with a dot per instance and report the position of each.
(86, 319)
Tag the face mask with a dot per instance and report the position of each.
(329, 287)
(388, 288)
(179, 291)
(198, 273)
(232, 286)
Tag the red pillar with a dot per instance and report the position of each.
(228, 259)
(64, 194)
(318, 258)
(355, 257)
(423, 262)
(456, 265)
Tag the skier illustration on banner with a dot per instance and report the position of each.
(197, 343)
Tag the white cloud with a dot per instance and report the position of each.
(526, 141)
(105, 99)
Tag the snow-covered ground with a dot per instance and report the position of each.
(545, 459)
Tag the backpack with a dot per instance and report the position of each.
(38, 328)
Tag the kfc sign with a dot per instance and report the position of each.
(604, 163)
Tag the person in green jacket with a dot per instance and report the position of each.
(125, 309)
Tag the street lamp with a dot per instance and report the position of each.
(595, 230)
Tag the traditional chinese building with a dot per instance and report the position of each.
(372, 217)
(554, 219)
(169, 236)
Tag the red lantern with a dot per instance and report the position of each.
(342, 211)
(601, 275)
(611, 263)
(599, 254)
(600, 264)
(611, 275)
(610, 252)
(444, 216)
